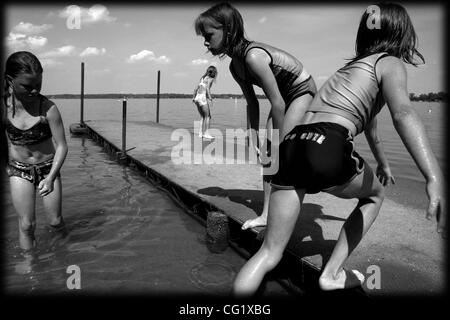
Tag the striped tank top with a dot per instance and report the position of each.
(352, 92)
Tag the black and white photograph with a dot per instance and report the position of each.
(224, 151)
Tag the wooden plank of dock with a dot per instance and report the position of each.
(401, 252)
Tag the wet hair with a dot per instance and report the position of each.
(21, 62)
(211, 72)
(395, 34)
(230, 20)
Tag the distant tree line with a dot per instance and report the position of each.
(432, 96)
(144, 96)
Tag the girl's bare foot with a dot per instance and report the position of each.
(346, 279)
(260, 221)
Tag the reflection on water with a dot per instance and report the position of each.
(123, 234)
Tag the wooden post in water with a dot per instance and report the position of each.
(157, 98)
(124, 124)
(82, 95)
(217, 231)
(80, 128)
(249, 132)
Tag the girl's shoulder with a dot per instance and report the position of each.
(48, 107)
(390, 67)
(46, 103)
(389, 63)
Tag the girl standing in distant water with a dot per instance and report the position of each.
(37, 145)
(318, 154)
(283, 78)
(203, 100)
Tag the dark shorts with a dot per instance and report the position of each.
(34, 173)
(317, 157)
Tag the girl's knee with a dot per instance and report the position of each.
(27, 226)
(272, 256)
(378, 192)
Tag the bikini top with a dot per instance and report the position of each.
(285, 67)
(39, 132)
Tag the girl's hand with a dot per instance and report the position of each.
(45, 187)
(437, 205)
(385, 176)
(254, 142)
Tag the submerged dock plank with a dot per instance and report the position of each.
(401, 255)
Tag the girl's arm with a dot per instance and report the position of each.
(208, 89)
(383, 169)
(252, 108)
(195, 93)
(258, 62)
(412, 132)
(57, 128)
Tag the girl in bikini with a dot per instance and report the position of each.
(203, 100)
(318, 155)
(37, 145)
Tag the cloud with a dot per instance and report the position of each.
(146, 55)
(262, 20)
(95, 14)
(18, 41)
(30, 29)
(92, 51)
(48, 63)
(65, 51)
(199, 62)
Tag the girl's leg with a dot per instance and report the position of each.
(207, 120)
(23, 198)
(200, 111)
(200, 132)
(292, 118)
(284, 209)
(370, 193)
(52, 204)
(295, 113)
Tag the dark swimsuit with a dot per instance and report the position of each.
(37, 133)
(286, 70)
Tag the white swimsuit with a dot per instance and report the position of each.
(200, 97)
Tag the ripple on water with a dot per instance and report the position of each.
(212, 276)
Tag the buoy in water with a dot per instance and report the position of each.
(78, 129)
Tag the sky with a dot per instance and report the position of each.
(124, 45)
